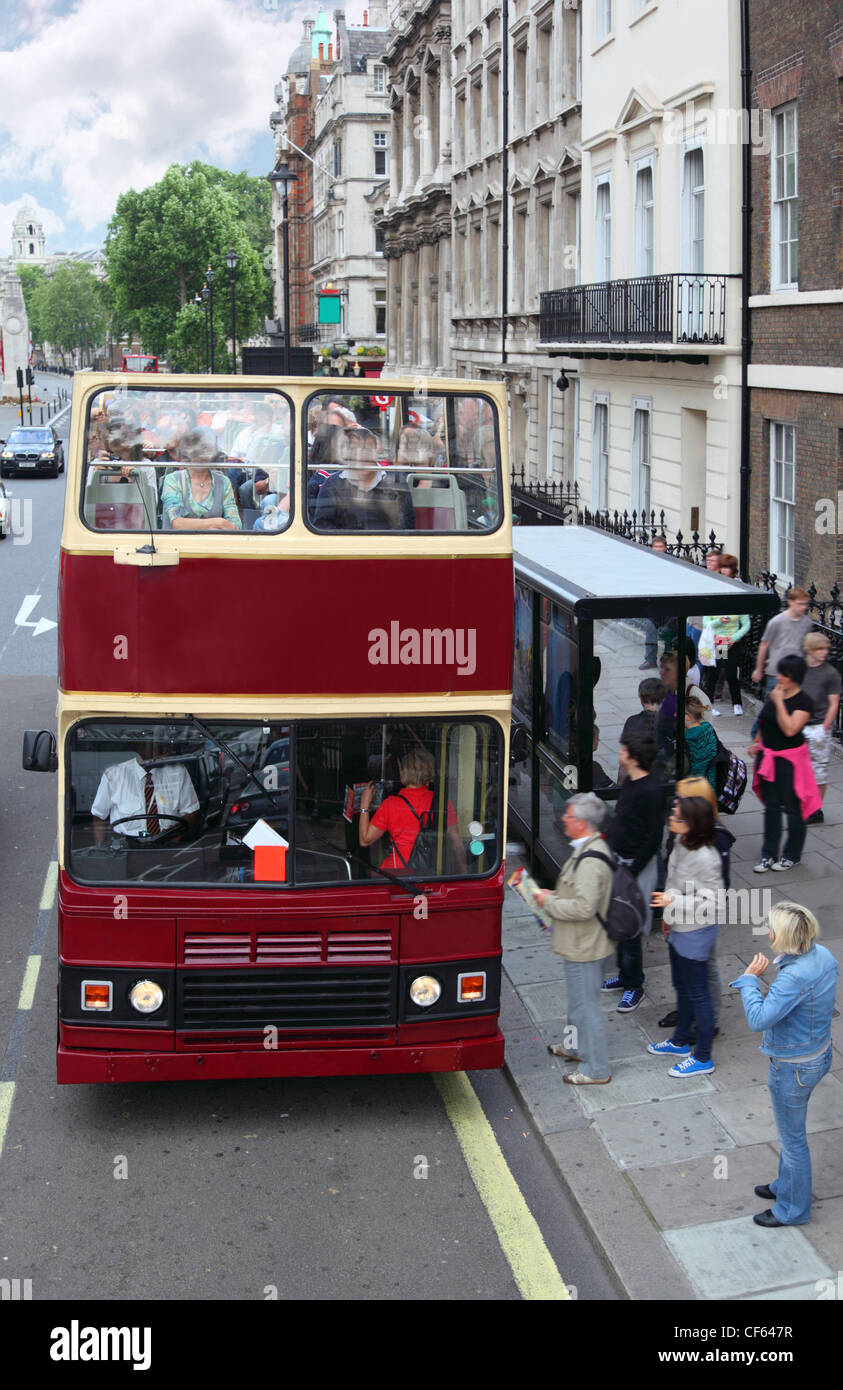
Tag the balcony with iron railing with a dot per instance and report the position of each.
(684, 310)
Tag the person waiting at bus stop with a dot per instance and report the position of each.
(401, 816)
(577, 904)
(362, 497)
(635, 836)
(199, 498)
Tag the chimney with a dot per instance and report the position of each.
(338, 47)
(330, 52)
(321, 53)
(365, 19)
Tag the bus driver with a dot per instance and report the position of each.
(156, 795)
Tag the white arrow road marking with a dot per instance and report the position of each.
(22, 620)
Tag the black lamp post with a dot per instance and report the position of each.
(231, 259)
(197, 300)
(283, 175)
(209, 276)
(205, 293)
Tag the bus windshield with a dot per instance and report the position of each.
(172, 802)
(140, 364)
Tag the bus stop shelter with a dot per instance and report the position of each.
(594, 615)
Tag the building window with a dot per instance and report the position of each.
(492, 102)
(782, 500)
(477, 283)
(519, 259)
(547, 389)
(337, 159)
(544, 46)
(785, 259)
(603, 228)
(578, 75)
(692, 304)
(600, 453)
(476, 142)
(379, 241)
(380, 153)
(380, 312)
(575, 429)
(459, 130)
(519, 90)
(640, 497)
(545, 275)
(602, 19)
(644, 219)
(340, 233)
(493, 251)
(378, 79)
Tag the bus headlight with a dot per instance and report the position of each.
(425, 990)
(146, 996)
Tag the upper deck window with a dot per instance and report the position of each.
(402, 462)
(191, 461)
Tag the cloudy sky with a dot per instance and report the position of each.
(98, 96)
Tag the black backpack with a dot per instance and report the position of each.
(423, 855)
(627, 914)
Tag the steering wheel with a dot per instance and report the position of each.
(179, 824)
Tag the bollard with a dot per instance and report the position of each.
(42, 415)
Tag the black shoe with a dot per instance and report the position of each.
(648, 666)
(816, 819)
(765, 1193)
(692, 1036)
(766, 1218)
(669, 1020)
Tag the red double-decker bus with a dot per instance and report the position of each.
(285, 663)
(139, 362)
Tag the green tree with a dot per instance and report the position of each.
(71, 308)
(160, 242)
(32, 278)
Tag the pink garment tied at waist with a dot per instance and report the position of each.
(804, 782)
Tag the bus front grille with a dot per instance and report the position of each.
(301, 999)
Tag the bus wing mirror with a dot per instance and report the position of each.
(39, 751)
(518, 745)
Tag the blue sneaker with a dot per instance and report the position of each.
(630, 999)
(689, 1066)
(613, 982)
(669, 1049)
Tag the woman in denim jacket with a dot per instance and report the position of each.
(795, 1018)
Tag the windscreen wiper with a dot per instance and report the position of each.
(251, 773)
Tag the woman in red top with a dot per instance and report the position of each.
(399, 816)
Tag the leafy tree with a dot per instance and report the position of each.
(160, 242)
(32, 277)
(71, 308)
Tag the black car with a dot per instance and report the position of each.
(32, 449)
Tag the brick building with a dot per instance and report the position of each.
(796, 301)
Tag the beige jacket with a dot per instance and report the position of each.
(581, 893)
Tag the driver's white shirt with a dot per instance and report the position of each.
(121, 793)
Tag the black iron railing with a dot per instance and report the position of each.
(677, 308)
(309, 333)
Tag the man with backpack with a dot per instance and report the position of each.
(636, 836)
(579, 905)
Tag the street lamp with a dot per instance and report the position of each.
(209, 276)
(205, 293)
(231, 259)
(283, 175)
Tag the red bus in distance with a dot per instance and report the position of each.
(139, 362)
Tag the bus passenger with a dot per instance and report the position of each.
(199, 498)
(401, 816)
(361, 498)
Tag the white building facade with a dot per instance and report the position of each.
(351, 161)
(652, 331)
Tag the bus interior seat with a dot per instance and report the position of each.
(114, 504)
(440, 507)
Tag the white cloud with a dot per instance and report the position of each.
(107, 97)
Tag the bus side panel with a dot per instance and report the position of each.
(269, 627)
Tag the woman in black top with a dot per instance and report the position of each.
(784, 715)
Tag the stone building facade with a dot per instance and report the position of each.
(796, 372)
(415, 222)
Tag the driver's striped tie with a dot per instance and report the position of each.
(153, 824)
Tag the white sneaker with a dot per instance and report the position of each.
(738, 709)
(715, 713)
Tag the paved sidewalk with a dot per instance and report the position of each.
(664, 1170)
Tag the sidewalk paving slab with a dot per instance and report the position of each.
(745, 1111)
(660, 1132)
(730, 1258)
(716, 1187)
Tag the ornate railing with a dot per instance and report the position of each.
(678, 308)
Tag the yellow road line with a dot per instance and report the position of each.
(48, 895)
(30, 980)
(532, 1264)
(7, 1091)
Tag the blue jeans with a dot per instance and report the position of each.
(690, 980)
(584, 978)
(791, 1085)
